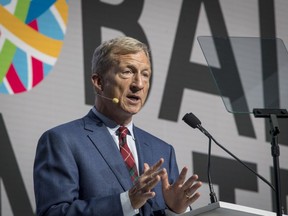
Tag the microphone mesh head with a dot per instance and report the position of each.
(115, 100)
(191, 120)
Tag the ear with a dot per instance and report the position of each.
(97, 82)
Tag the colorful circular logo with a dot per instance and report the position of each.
(31, 38)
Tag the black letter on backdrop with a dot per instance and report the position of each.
(184, 74)
(226, 177)
(11, 176)
(96, 14)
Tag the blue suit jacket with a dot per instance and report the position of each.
(78, 169)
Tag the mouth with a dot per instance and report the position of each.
(133, 98)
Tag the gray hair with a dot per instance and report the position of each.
(105, 55)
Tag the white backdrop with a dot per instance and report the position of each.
(60, 97)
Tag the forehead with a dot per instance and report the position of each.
(139, 59)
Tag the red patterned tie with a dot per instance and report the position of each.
(126, 153)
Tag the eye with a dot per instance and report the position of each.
(146, 74)
(126, 73)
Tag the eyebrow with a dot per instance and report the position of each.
(133, 67)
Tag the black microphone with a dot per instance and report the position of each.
(194, 122)
(114, 100)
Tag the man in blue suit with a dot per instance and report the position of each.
(79, 169)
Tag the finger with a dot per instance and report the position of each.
(142, 192)
(193, 198)
(143, 180)
(146, 183)
(139, 199)
(195, 187)
(153, 176)
(182, 176)
(190, 191)
(142, 177)
(151, 184)
(150, 172)
(190, 182)
(148, 195)
(146, 167)
(165, 181)
(157, 173)
(146, 177)
(155, 166)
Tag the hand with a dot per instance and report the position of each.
(181, 194)
(141, 191)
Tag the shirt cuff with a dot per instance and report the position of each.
(126, 205)
(171, 213)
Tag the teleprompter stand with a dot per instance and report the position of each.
(273, 115)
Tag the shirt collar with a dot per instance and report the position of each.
(110, 124)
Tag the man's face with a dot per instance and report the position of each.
(129, 82)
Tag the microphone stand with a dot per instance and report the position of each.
(213, 197)
(272, 114)
(194, 122)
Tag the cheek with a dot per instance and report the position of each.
(147, 89)
(145, 95)
(119, 88)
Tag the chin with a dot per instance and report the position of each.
(132, 110)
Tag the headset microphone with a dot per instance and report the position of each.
(114, 100)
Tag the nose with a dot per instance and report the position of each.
(138, 82)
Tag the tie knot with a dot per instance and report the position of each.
(123, 131)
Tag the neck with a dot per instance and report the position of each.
(119, 118)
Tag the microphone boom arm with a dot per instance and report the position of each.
(194, 122)
(205, 132)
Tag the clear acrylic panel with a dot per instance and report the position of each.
(249, 72)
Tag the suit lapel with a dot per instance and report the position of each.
(144, 150)
(145, 155)
(105, 144)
